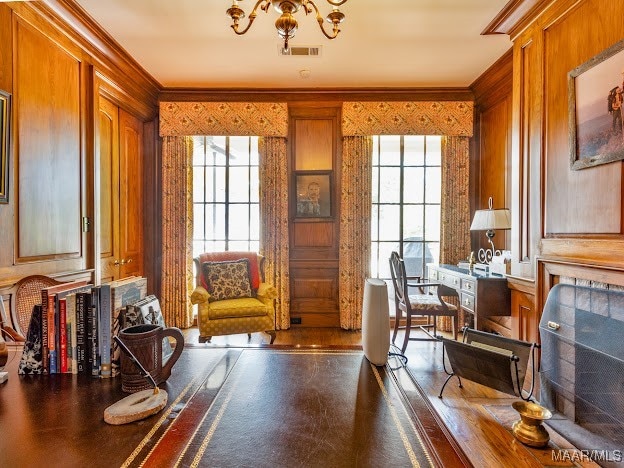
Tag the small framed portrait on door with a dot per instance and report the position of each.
(313, 194)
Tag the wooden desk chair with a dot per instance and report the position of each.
(24, 296)
(421, 304)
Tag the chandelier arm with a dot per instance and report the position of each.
(321, 20)
(263, 4)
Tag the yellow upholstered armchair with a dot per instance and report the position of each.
(232, 296)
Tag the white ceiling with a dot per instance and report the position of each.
(383, 43)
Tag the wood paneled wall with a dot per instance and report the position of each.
(490, 161)
(315, 147)
(558, 215)
(51, 58)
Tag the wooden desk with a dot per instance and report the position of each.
(481, 294)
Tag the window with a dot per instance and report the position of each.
(406, 198)
(225, 194)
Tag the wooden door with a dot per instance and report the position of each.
(120, 193)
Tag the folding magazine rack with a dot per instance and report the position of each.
(492, 360)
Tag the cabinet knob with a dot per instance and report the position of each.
(129, 260)
(116, 262)
(123, 261)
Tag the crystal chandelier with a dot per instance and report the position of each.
(286, 24)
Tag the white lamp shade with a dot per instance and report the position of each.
(485, 220)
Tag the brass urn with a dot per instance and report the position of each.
(529, 429)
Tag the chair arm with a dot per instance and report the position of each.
(200, 295)
(266, 292)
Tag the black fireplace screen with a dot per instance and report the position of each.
(582, 358)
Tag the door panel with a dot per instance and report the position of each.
(109, 188)
(130, 194)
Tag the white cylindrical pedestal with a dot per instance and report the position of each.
(376, 322)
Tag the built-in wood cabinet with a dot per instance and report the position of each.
(120, 221)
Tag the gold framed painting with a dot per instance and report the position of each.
(595, 109)
(5, 133)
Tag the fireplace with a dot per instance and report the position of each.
(582, 364)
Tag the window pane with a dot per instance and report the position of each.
(239, 184)
(198, 184)
(433, 188)
(390, 188)
(199, 151)
(390, 151)
(389, 216)
(413, 222)
(198, 248)
(253, 155)
(434, 248)
(217, 185)
(215, 150)
(239, 151)
(432, 222)
(254, 189)
(215, 222)
(375, 223)
(254, 222)
(375, 150)
(414, 185)
(385, 249)
(198, 221)
(374, 260)
(375, 185)
(239, 222)
(239, 246)
(414, 150)
(434, 150)
(416, 255)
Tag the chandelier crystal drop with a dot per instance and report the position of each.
(286, 24)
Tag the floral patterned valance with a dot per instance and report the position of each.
(450, 118)
(223, 118)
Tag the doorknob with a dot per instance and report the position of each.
(116, 262)
(123, 261)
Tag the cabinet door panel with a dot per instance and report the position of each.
(108, 132)
(131, 193)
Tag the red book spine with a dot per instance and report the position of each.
(63, 334)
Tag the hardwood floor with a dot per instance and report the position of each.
(477, 417)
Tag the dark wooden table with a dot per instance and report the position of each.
(58, 420)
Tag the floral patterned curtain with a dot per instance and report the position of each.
(274, 223)
(455, 223)
(355, 230)
(177, 231)
(454, 119)
(178, 121)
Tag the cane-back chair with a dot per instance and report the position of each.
(24, 296)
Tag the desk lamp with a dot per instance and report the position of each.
(489, 220)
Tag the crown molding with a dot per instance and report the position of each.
(515, 16)
(317, 94)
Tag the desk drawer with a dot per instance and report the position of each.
(468, 302)
(468, 285)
